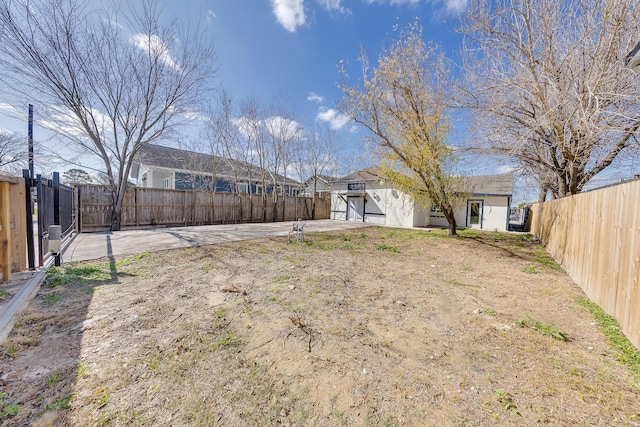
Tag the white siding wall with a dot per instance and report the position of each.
(384, 206)
(494, 214)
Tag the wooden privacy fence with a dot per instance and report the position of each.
(595, 236)
(154, 206)
(13, 250)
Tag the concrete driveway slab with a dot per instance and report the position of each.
(87, 246)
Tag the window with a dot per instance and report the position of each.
(243, 188)
(258, 189)
(165, 183)
(356, 186)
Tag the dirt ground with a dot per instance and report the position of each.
(374, 326)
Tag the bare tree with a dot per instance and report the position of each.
(315, 156)
(283, 132)
(549, 84)
(13, 152)
(402, 105)
(109, 85)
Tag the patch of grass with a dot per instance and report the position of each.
(4, 294)
(53, 378)
(489, 311)
(545, 328)
(542, 257)
(530, 270)
(63, 276)
(60, 404)
(628, 355)
(467, 267)
(8, 410)
(52, 299)
(226, 340)
(506, 401)
(362, 235)
(281, 278)
(82, 369)
(388, 248)
(344, 237)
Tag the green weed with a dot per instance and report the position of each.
(628, 355)
(543, 258)
(344, 237)
(52, 299)
(530, 270)
(506, 401)
(53, 379)
(82, 369)
(388, 248)
(545, 328)
(4, 294)
(489, 312)
(8, 409)
(228, 339)
(281, 278)
(60, 404)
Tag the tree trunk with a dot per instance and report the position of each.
(451, 219)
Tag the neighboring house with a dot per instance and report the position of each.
(164, 167)
(365, 196)
(323, 186)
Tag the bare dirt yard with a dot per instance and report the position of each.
(372, 326)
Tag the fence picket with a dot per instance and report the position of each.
(595, 236)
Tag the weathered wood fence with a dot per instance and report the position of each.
(13, 250)
(154, 206)
(595, 236)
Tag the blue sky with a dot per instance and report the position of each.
(292, 47)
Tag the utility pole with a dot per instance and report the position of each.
(31, 140)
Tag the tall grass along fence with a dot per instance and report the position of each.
(161, 207)
(595, 236)
(12, 226)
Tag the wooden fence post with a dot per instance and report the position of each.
(5, 232)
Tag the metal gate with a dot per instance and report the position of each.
(56, 206)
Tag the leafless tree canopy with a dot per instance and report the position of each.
(13, 151)
(549, 84)
(110, 80)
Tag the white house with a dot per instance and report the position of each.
(365, 196)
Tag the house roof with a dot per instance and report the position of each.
(191, 161)
(483, 185)
(372, 173)
(492, 185)
(322, 178)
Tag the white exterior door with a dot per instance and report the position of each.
(355, 209)
(474, 213)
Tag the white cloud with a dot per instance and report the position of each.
(456, 6)
(282, 127)
(333, 6)
(11, 110)
(335, 119)
(154, 46)
(451, 6)
(211, 15)
(314, 97)
(290, 13)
